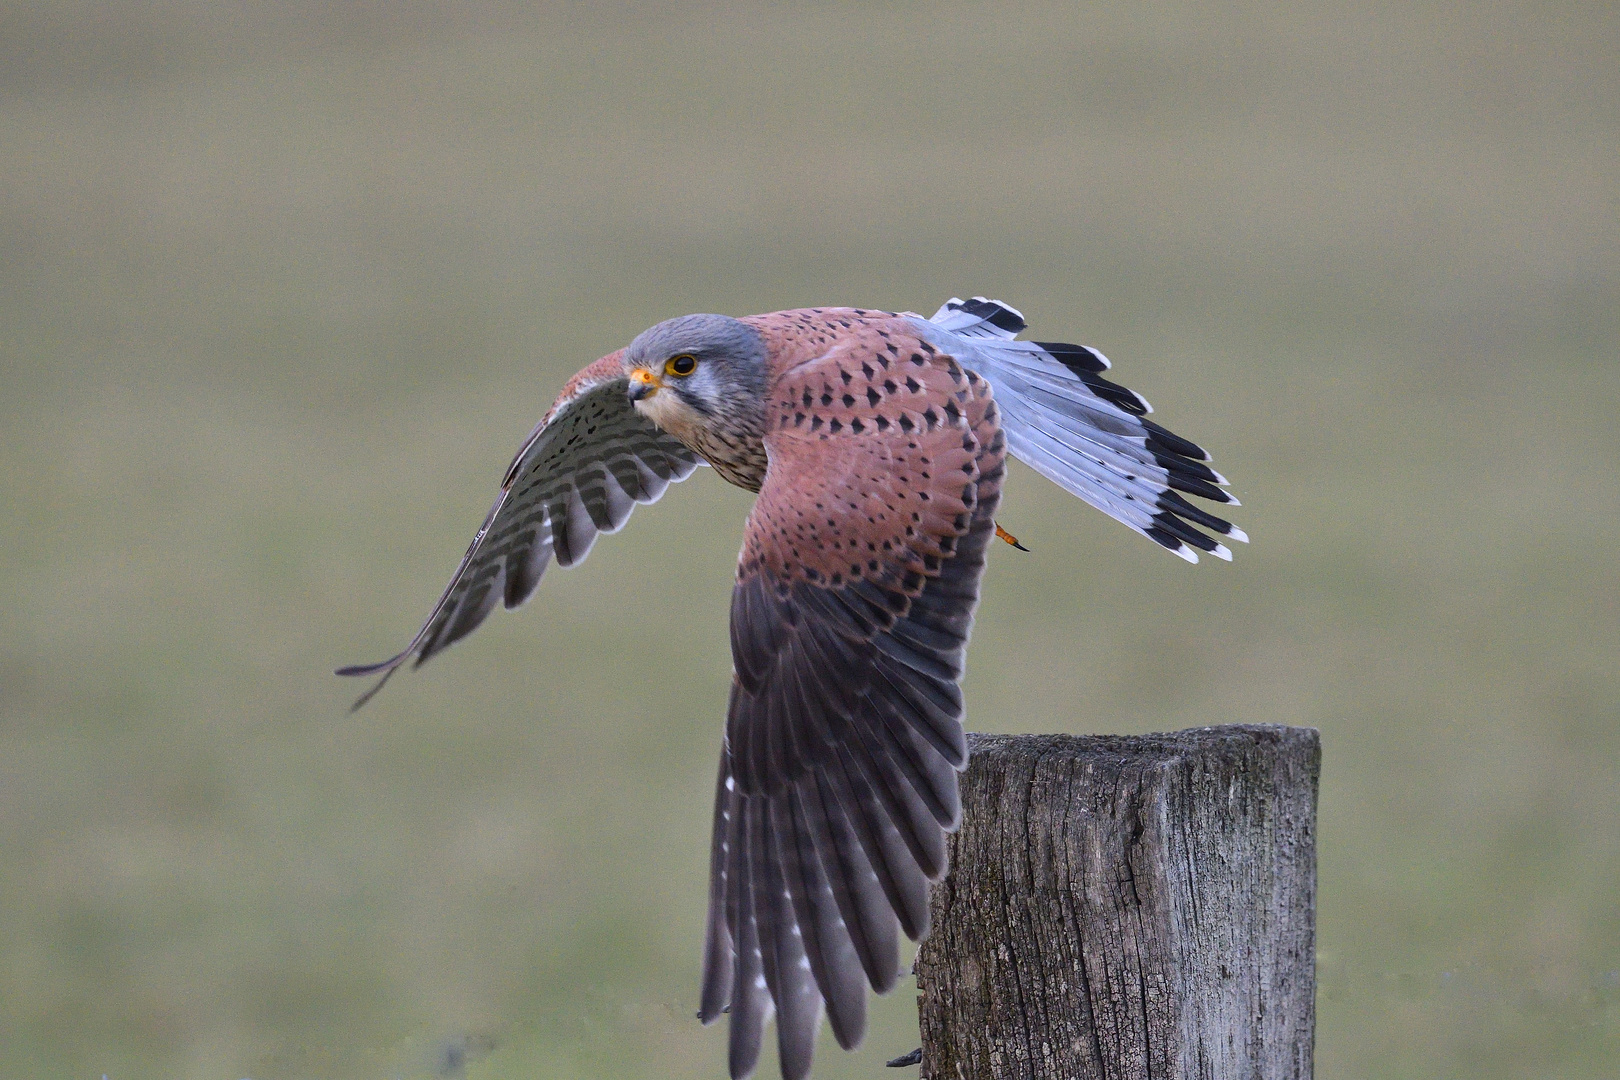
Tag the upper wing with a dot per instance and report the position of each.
(1088, 435)
(855, 593)
(580, 472)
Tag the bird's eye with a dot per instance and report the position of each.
(683, 364)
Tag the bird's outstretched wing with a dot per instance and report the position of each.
(579, 473)
(855, 593)
(1090, 436)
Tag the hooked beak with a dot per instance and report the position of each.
(643, 384)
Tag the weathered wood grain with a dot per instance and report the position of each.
(1127, 907)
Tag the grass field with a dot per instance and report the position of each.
(283, 286)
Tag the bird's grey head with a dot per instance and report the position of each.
(698, 372)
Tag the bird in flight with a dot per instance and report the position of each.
(876, 443)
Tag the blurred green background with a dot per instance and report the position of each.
(283, 285)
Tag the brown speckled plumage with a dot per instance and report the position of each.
(877, 459)
(877, 443)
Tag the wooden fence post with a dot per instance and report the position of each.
(1126, 908)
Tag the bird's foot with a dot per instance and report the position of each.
(1003, 534)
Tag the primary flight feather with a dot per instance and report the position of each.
(877, 444)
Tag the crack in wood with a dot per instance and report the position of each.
(1103, 894)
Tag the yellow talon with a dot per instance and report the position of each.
(1009, 537)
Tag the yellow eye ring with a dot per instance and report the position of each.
(683, 364)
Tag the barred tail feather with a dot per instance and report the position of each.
(1086, 434)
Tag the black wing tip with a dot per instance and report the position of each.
(360, 702)
(1080, 359)
(993, 312)
(1168, 527)
(1170, 501)
(913, 1058)
(1173, 525)
(1197, 487)
(1115, 394)
(1164, 539)
(1174, 443)
(354, 671)
(386, 668)
(1184, 466)
(1184, 462)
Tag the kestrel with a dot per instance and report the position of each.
(877, 444)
